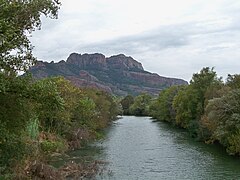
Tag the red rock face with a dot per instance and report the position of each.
(87, 61)
(153, 79)
(124, 63)
(118, 74)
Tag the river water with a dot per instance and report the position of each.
(138, 148)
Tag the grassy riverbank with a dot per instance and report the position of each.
(48, 117)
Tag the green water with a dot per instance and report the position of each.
(138, 148)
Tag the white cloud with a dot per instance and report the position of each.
(173, 38)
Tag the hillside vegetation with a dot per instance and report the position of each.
(208, 108)
(40, 118)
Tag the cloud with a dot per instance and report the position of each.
(169, 40)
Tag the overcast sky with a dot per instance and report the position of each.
(174, 38)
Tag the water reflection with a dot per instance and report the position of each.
(138, 148)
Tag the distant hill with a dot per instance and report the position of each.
(120, 75)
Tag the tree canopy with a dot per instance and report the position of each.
(18, 18)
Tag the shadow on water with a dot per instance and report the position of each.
(212, 159)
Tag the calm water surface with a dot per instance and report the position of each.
(138, 148)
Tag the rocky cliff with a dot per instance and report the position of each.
(120, 75)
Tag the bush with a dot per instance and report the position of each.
(48, 146)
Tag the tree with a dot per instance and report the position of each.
(223, 115)
(47, 103)
(126, 102)
(166, 112)
(141, 104)
(187, 107)
(190, 103)
(154, 108)
(84, 112)
(18, 18)
(204, 80)
(15, 113)
(233, 81)
(106, 107)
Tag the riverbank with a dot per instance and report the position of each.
(138, 148)
(207, 108)
(47, 118)
(45, 168)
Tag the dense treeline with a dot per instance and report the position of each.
(39, 118)
(208, 108)
(138, 106)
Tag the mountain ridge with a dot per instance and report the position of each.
(117, 74)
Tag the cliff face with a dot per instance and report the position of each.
(120, 75)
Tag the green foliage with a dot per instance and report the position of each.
(33, 128)
(14, 115)
(223, 117)
(52, 104)
(209, 109)
(126, 102)
(85, 112)
(234, 145)
(12, 149)
(48, 146)
(190, 103)
(233, 81)
(187, 107)
(17, 95)
(48, 102)
(107, 107)
(17, 20)
(154, 108)
(141, 105)
(165, 110)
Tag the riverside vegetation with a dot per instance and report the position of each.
(208, 108)
(42, 118)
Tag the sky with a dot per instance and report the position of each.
(174, 38)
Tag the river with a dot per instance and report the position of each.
(139, 148)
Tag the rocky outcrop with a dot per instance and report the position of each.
(122, 62)
(119, 74)
(88, 61)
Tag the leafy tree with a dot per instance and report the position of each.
(223, 115)
(106, 107)
(14, 115)
(18, 18)
(141, 104)
(187, 107)
(190, 102)
(85, 112)
(233, 81)
(207, 127)
(154, 108)
(126, 102)
(47, 103)
(165, 104)
(201, 82)
(71, 95)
